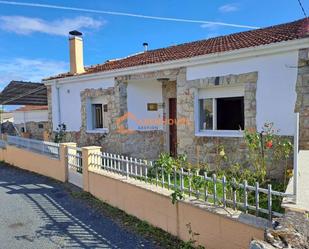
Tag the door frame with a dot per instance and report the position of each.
(171, 150)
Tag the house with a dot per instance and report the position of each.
(31, 121)
(6, 117)
(187, 98)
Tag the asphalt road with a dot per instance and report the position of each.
(36, 212)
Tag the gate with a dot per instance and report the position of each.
(75, 166)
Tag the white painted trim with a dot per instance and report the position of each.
(214, 117)
(103, 130)
(219, 133)
(273, 48)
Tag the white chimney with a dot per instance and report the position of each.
(145, 45)
(76, 52)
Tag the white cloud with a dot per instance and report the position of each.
(209, 26)
(29, 69)
(27, 25)
(228, 8)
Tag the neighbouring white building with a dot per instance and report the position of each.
(216, 87)
(31, 120)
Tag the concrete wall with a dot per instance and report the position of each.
(70, 101)
(218, 228)
(217, 231)
(35, 162)
(275, 96)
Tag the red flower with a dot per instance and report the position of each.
(269, 144)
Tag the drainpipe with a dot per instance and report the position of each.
(24, 117)
(296, 150)
(58, 101)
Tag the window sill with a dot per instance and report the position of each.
(219, 133)
(104, 130)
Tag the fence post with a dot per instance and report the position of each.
(87, 162)
(63, 159)
(295, 163)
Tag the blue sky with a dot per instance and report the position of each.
(34, 44)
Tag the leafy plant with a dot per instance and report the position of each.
(266, 148)
(191, 243)
(176, 196)
(165, 163)
(60, 133)
(197, 182)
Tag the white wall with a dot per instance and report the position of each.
(70, 101)
(28, 116)
(139, 94)
(275, 95)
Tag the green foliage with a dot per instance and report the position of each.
(191, 243)
(266, 148)
(176, 196)
(168, 163)
(165, 162)
(60, 133)
(197, 182)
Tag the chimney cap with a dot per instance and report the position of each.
(145, 45)
(75, 33)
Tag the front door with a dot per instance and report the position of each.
(172, 126)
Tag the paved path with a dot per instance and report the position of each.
(36, 212)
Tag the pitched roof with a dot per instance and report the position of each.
(274, 34)
(24, 93)
(28, 108)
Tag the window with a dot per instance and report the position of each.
(99, 119)
(97, 116)
(41, 126)
(221, 113)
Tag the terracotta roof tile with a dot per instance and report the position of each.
(28, 108)
(278, 33)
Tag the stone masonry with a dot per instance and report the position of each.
(205, 149)
(140, 144)
(149, 144)
(302, 102)
(35, 129)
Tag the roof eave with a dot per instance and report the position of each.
(272, 48)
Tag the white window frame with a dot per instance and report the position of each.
(214, 93)
(90, 115)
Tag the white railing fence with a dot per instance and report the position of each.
(75, 159)
(43, 147)
(75, 165)
(221, 192)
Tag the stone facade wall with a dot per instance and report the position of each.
(34, 130)
(140, 144)
(302, 102)
(204, 149)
